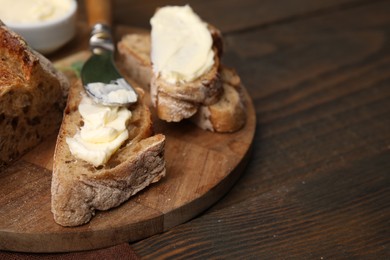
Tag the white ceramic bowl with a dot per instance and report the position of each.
(48, 36)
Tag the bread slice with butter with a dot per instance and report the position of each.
(185, 55)
(226, 115)
(32, 96)
(79, 188)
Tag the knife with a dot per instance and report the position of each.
(99, 75)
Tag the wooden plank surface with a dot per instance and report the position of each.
(317, 185)
(228, 15)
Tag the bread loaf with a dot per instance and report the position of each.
(32, 96)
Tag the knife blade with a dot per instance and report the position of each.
(99, 74)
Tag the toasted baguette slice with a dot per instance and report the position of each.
(32, 96)
(226, 115)
(134, 50)
(78, 188)
(206, 90)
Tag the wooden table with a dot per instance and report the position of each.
(318, 182)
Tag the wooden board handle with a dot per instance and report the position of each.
(99, 11)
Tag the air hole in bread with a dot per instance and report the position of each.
(34, 121)
(15, 154)
(58, 106)
(99, 167)
(26, 109)
(14, 123)
(37, 135)
(81, 123)
(40, 86)
(123, 145)
(22, 129)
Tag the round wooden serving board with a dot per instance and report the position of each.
(201, 167)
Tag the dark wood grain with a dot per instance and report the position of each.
(229, 15)
(318, 183)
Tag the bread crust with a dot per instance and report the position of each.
(79, 189)
(173, 109)
(32, 96)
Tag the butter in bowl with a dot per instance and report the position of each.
(46, 25)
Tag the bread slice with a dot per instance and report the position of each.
(226, 115)
(32, 96)
(79, 189)
(134, 52)
(206, 90)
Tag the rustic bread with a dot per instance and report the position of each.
(78, 188)
(134, 52)
(172, 109)
(205, 90)
(226, 115)
(32, 96)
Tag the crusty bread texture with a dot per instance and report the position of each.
(228, 114)
(217, 106)
(79, 189)
(32, 96)
(134, 52)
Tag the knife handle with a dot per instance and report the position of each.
(99, 11)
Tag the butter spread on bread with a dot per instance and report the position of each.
(103, 132)
(194, 78)
(226, 115)
(79, 188)
(181, 44)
